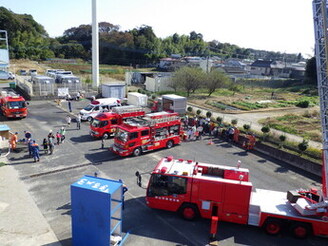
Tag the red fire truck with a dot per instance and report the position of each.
(197, 189)
(12, 105)
(154, 131)
(104, 124)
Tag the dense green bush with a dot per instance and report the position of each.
(265, 129)
(198, 112)
(234, 122)
(189, 109)
(208, 114)
(303, 146)
(246, 127)
(282, 138)
(219, 119)
(303, 104)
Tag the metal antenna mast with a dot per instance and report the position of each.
(321, 53)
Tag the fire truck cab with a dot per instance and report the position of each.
(154, 131)
(196, 189)
(104, 124)
(12, 105)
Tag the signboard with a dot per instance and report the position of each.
(62, 92)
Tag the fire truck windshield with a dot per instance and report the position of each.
(98, 123)
(122, 135)
(165, 185)
(17, 104)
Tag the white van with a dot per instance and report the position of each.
(6, 75)
(98, 106)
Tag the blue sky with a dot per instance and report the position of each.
(275, 25)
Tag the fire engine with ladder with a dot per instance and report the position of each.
(154, 131)
(12, 105)
(104, 124)
(223, 193)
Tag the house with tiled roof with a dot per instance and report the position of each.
(261, 67)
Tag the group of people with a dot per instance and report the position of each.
(196, 127)
(49, 142)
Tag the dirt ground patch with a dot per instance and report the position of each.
(24, 64)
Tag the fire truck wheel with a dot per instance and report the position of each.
(273, 226)
(300, 230)
(106, 135)
(136, 152)
(188, 212)
(169, 144)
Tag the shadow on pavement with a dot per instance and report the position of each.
(82, 139)
(241, 153)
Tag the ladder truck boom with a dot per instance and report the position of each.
(321, 52)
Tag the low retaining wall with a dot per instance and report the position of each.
(294, 160)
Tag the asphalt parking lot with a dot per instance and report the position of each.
(48, 182)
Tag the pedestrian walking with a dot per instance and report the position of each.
(78, 95)
(51, 139)
(68, 120)
(13, 141)
(69, 106)
(51, 145)
(62, 133)
(58, 137)
(29, 146)
(103, 142)
(45, 145)
(78, 121)
(35, 151)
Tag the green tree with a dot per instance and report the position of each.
(188, 78)
(214, 80)
(311, 70)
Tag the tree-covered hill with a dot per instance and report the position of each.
(29, 39)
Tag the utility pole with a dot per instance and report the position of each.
(95, 46)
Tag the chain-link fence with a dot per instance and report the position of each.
(49, 89)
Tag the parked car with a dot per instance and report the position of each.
(22, 72)
(33, 72)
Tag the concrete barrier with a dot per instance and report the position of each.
(294, 160)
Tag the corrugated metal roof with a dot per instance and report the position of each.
(4, 128)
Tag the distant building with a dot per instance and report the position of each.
(261, 67)
(278, 69)
(159, 82)
(4, 51)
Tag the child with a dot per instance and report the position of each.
(58, 137)
(62, 133)
(45, 145)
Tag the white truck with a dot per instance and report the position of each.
(170, 103)
(98, 106)
(137, 99)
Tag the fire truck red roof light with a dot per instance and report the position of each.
(181, 160)
(169, 158)
(189, 161)
(314, 190)
(164, 169)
